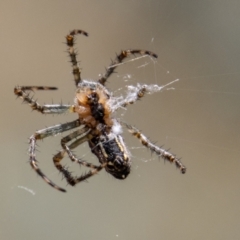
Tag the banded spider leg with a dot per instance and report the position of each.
(67, 148)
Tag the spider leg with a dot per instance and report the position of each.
(94, 169)
(41, 134)
(22, 92)
(158, 150)
(73, 55)
(136, 93)
(132, 96)
(119, 58)
(58, 157)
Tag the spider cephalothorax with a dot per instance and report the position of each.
(92, 104)
(95, 124)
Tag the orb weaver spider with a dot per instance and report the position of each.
(95, 124)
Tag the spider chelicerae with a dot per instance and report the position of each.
(95, 124)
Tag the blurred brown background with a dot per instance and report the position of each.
(197, 42)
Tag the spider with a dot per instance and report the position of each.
(95, 124)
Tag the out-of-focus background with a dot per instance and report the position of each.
(197, 42)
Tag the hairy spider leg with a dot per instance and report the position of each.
(135, 93)
(94, 169)
(41, 134)
(119, 58)
(159, 151)
(73, 54)
(22, 92)
(59, 156)
(131, 99)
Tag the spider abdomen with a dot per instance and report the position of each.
(111, 149)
